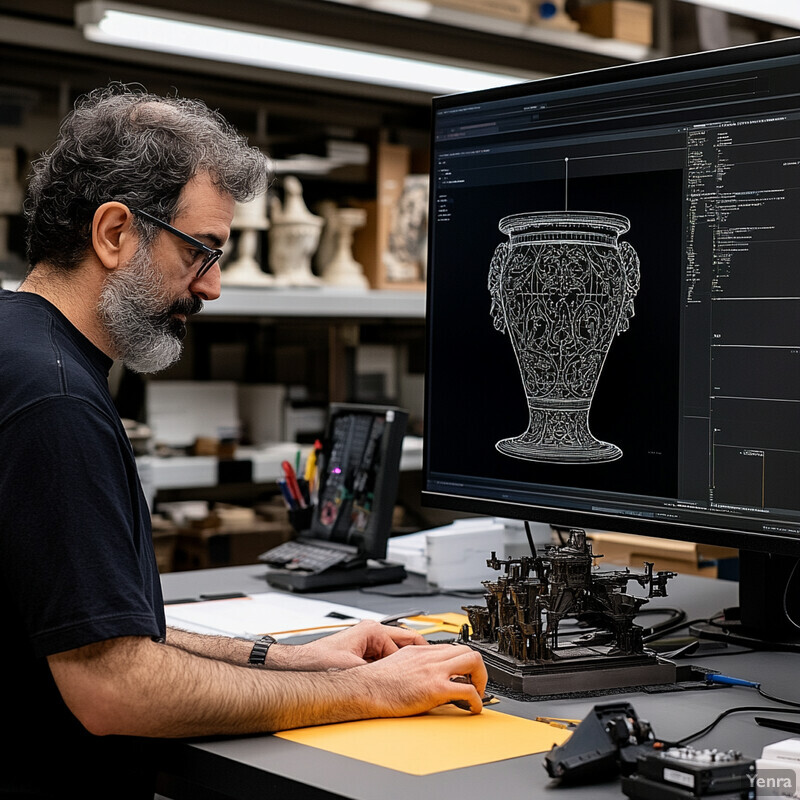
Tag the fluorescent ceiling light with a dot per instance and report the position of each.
(780, 12)
(149, 29)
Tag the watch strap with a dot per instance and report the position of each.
(258, 655)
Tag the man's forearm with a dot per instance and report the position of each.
(237, 651)
(221, 648)
(134, 686)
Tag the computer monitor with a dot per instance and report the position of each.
(613, 319)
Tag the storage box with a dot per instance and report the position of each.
(178, 412)
(778, 769)
(261, 408)
(453, 557)
(234, 537)
(165, 537)
(515, 10)
(370, 243)
(631, 550)
(628, 20)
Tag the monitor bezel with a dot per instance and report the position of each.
(771, 542)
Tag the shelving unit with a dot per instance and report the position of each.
(47, 63)
(184, 472)
(321, 303)
(540, 34)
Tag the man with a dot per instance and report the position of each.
(126, 215)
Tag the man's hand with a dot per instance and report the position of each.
(416, 679)
(355, 646)
(134, 686)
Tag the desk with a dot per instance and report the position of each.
(266, 766)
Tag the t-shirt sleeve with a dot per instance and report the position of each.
(75, 547)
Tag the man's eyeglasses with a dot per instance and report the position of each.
(210, 254)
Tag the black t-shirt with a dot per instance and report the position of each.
(76, 555)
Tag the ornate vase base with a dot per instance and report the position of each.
(590, 452)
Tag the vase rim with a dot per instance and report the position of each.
(604, 221)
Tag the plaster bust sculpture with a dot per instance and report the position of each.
(250, 219)
(293, 237)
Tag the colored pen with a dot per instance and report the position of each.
(287, 496)
(291, 482)
(311, 465)
(559, 722)
(395, 618)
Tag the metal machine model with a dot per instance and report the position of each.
(517, 631)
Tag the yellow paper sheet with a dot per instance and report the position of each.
(443, 739)
(446, 622)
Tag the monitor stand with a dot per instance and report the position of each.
(768, 614)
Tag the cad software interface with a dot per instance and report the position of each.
(614, 297)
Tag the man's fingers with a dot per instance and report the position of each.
(474, 700)
(467, 665)
(403, 636)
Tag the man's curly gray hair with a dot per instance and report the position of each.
(122, 143)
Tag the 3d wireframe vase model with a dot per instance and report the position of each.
(562, 287)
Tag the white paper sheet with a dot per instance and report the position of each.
(276, 613)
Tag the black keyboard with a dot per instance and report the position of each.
(306, 557)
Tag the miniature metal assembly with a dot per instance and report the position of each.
(517, 631)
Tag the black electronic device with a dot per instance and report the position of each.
(683, 773)
(607, 743)
(350, 519)
(613, 310)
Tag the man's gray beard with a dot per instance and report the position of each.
(135, 311)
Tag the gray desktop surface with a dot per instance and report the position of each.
(249, 767)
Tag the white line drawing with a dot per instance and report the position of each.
(562, 287)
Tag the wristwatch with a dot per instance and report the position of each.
(258, 655)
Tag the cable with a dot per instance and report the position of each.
(786, 595)
(675, 620)
(724, 679)
(687, 739)
(778, 699)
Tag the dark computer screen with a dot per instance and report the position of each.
(613, 321)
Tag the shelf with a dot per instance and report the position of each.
(485, 23)
(322, 303)
(326, 303)
(186, 472)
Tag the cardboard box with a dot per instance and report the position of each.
(514, 10)
(392, 166)
(229, 543)
(628, 20)
(631, 550)
(165, 537)
(261, 408)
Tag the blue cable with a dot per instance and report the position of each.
(732, 681)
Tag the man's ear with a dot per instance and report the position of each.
(113, 237)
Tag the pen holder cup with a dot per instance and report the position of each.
(300, 519)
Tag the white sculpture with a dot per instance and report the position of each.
(293, 237)
(327, 243)
(249, 218)
(405, 258)
(343, 269)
